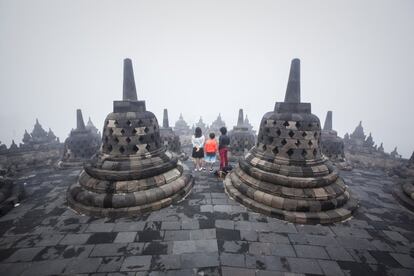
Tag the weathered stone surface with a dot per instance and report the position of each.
(286, 175)
(376, 241)
(133, 173)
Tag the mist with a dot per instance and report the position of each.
(202, 58)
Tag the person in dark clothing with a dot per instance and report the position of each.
(224, 142)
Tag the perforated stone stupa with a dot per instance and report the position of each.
(285, 175)
(132, 173)
(168, 137)
(81, 144)
(241, 138)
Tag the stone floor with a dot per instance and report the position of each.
(207, 234)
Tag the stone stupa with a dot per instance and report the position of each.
(81, 144)
(168, 137)
(332, 145)
(248, 124)
(132, 173)
(90, 126)
(286, 175)
(241, 138)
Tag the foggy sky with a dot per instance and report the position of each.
(205, 57)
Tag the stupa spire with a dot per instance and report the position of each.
(165, 123)
(328, 121)
(80, 124)
(240, 120)
(129, 90)
(293, 87)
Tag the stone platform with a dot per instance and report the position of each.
(207, 234)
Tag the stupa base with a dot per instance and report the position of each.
(404, 193)
(100, 198)
(265, 205)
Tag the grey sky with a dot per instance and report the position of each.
(206, 57)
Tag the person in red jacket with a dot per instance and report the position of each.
(224, 142)
(211, 148)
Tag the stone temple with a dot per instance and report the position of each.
(133, 173)
(40, 148)
(168, 137)
(81, 144)
(286, 175)
(332, 145)
(241, 138)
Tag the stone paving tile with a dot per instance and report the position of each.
(338, 253)
(180, 247)
(301, 265)
(24, 254)
(233, 271)
(205, 259)
(77, 251)
(225, 224)
(330, 268)
(230, 259)
(136, 263)
(310, 251)
(71, 239)
(111, 264)
(100, 227)
(404, 259)
(177, 235)
(87, 265)
(125, 237)
(49, 267)
(128, 226)
(166, 262)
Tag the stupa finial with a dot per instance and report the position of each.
(240, 120)
(328, 121)
(129, 90)
(80, 124)
(293, 87)
(165, 123)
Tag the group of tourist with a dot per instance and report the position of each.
(205, 151)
